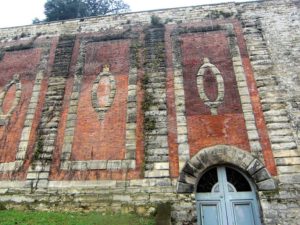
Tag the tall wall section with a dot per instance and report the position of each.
(123, 112)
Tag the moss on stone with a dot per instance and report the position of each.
(38, 149)
(163, 214)
(156, 21)
(217, 14)
(2, 53)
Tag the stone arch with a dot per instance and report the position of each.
(220, 155)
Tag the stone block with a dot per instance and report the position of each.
(184, 188)
(261, 175)
(267, 185)
(254, 166)
(157, 173)
(161, 166)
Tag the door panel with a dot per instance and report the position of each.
(210, 213)
(243, 213)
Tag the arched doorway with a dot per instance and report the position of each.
(225, 196)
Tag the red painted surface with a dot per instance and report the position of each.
(95, 140)
(23, 63)
(204, 129)
(212, 45)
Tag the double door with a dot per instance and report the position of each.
(225, 197)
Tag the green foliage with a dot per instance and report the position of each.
(103, 7)
(216, 14)
(2, 206)
(22, 46)
(156, 21)
(149, 123)
(57, 218)
(135, 53)
(19, 47)
(71, 9)
(39, 149)
(64, 9)
(1, 54)
(36, 21)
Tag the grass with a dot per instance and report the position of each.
(13, 217)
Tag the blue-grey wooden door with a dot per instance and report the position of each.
(225, 197)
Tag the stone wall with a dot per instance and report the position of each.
(122, 112)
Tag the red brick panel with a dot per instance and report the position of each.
(212, 45)
(23, 63)
(204, 129)
(95, 140)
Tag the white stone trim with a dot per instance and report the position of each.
(213, 105)
(101, 110)
(182, 133)
(4, 118)
(244, 94)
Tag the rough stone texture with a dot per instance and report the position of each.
(163, 126)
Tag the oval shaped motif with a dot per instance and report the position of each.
(213, 105)
(210, 85)
(9, 95)
(100, 108)
(103, 91)
(15, 82)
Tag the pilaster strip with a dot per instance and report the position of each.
(182, 133)
(240, 75)
(154, 105)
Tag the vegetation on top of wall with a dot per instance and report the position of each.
(156, 21)
(23, 46)
(127, 34)
(199, 29)
(22, 35)
(219, 14)
(71, 9)
(19, 47)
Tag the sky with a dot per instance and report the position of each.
(22, 12)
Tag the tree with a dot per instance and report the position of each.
(70, 9)
(36, 21)
(64, 9)
(103, 7)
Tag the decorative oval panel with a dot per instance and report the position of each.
(102, 104)
(4, 117)
(212, 104)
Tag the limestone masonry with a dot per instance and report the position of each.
(127, 112)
